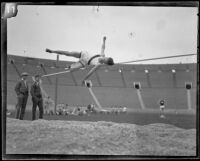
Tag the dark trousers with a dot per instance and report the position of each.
(37, 102)
(21, 106)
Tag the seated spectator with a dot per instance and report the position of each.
(48, 105)
(124, 109)
(59, 109)
(65, 109)
(69, 110)
(91, 109)
(76, 111)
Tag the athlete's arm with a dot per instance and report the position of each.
(103, 47)
(91, 72)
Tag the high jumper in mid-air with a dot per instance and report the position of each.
(86, 59)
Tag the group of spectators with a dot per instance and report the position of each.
(45, 103)
(64, 109)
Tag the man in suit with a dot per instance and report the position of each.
(37, 100)
(21, 90)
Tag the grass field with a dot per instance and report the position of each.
(186, 120)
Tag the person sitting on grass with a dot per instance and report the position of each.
(59, 109)
(76, 111)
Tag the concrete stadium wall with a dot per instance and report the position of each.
(77, 95)
(108, 96)
(115, 91)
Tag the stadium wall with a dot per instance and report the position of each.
(113, 91)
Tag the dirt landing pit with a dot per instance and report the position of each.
(97, 138)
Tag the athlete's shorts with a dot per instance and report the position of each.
(85, 57)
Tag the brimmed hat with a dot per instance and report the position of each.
(24, 74)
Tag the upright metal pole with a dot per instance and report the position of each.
(56, 85)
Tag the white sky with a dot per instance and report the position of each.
(156, 31)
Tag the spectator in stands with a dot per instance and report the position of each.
(36, 97)
(22, 91)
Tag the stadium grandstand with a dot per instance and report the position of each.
(113, 86)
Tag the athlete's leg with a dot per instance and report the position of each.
(66, 53)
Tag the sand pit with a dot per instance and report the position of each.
(99, 138)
